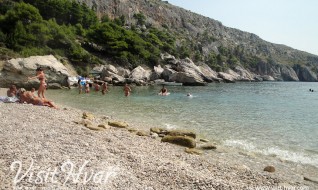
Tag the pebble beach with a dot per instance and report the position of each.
(44, 148)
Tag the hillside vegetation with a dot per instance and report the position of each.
(69, 29)
(132, 33)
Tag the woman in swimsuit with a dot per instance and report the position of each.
(41, 76)
(104, 88)
(87, 88)
(127, 90)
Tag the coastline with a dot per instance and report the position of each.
(51, 138)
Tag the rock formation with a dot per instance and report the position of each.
(17, 71)
(275, 60)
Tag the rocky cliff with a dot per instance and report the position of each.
(17, 71)
(278, 61)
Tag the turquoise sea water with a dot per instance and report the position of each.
(270, 118)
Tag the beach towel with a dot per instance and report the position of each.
(9, 99)
(2, 98)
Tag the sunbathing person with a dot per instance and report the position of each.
(27, 97)
(12, 92)
(43, 102)
(32, 92)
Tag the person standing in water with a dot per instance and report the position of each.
(163, 90)
(104, 88)
(87, 88)
(41, 76)
(96, 86)
(127, 90)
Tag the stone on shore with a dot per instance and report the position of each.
(88, 124)
(154, 135)
(270, 169)
(84, 122)
(181, 133)
(311, 179)
(204, 140)
(158, 130)
(142, 133)
(208, 147)
(88, 116)
(132, 130)
(118, 124)
(193, 151)
(104, 126)
(180, 140)
(94, 128)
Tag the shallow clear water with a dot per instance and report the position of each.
(271, 118)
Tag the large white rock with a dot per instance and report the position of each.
(244, 75)
(166, 73)
(158, 70)
(233, 74)
(202, 72)
(227, 77)
(123, 72)
(187, 79)
(98, 69)
(17, 71)
(111, 68)
(139, 73)
(208, 74)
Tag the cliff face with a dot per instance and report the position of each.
(281, 61)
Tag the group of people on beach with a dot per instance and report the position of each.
(24, 96)
(83, 84)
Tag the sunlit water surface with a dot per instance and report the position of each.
(270, 118)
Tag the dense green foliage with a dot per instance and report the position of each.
(67, 28)
(23, 29)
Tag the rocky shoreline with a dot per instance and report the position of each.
(181, 71)
(59, 144)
